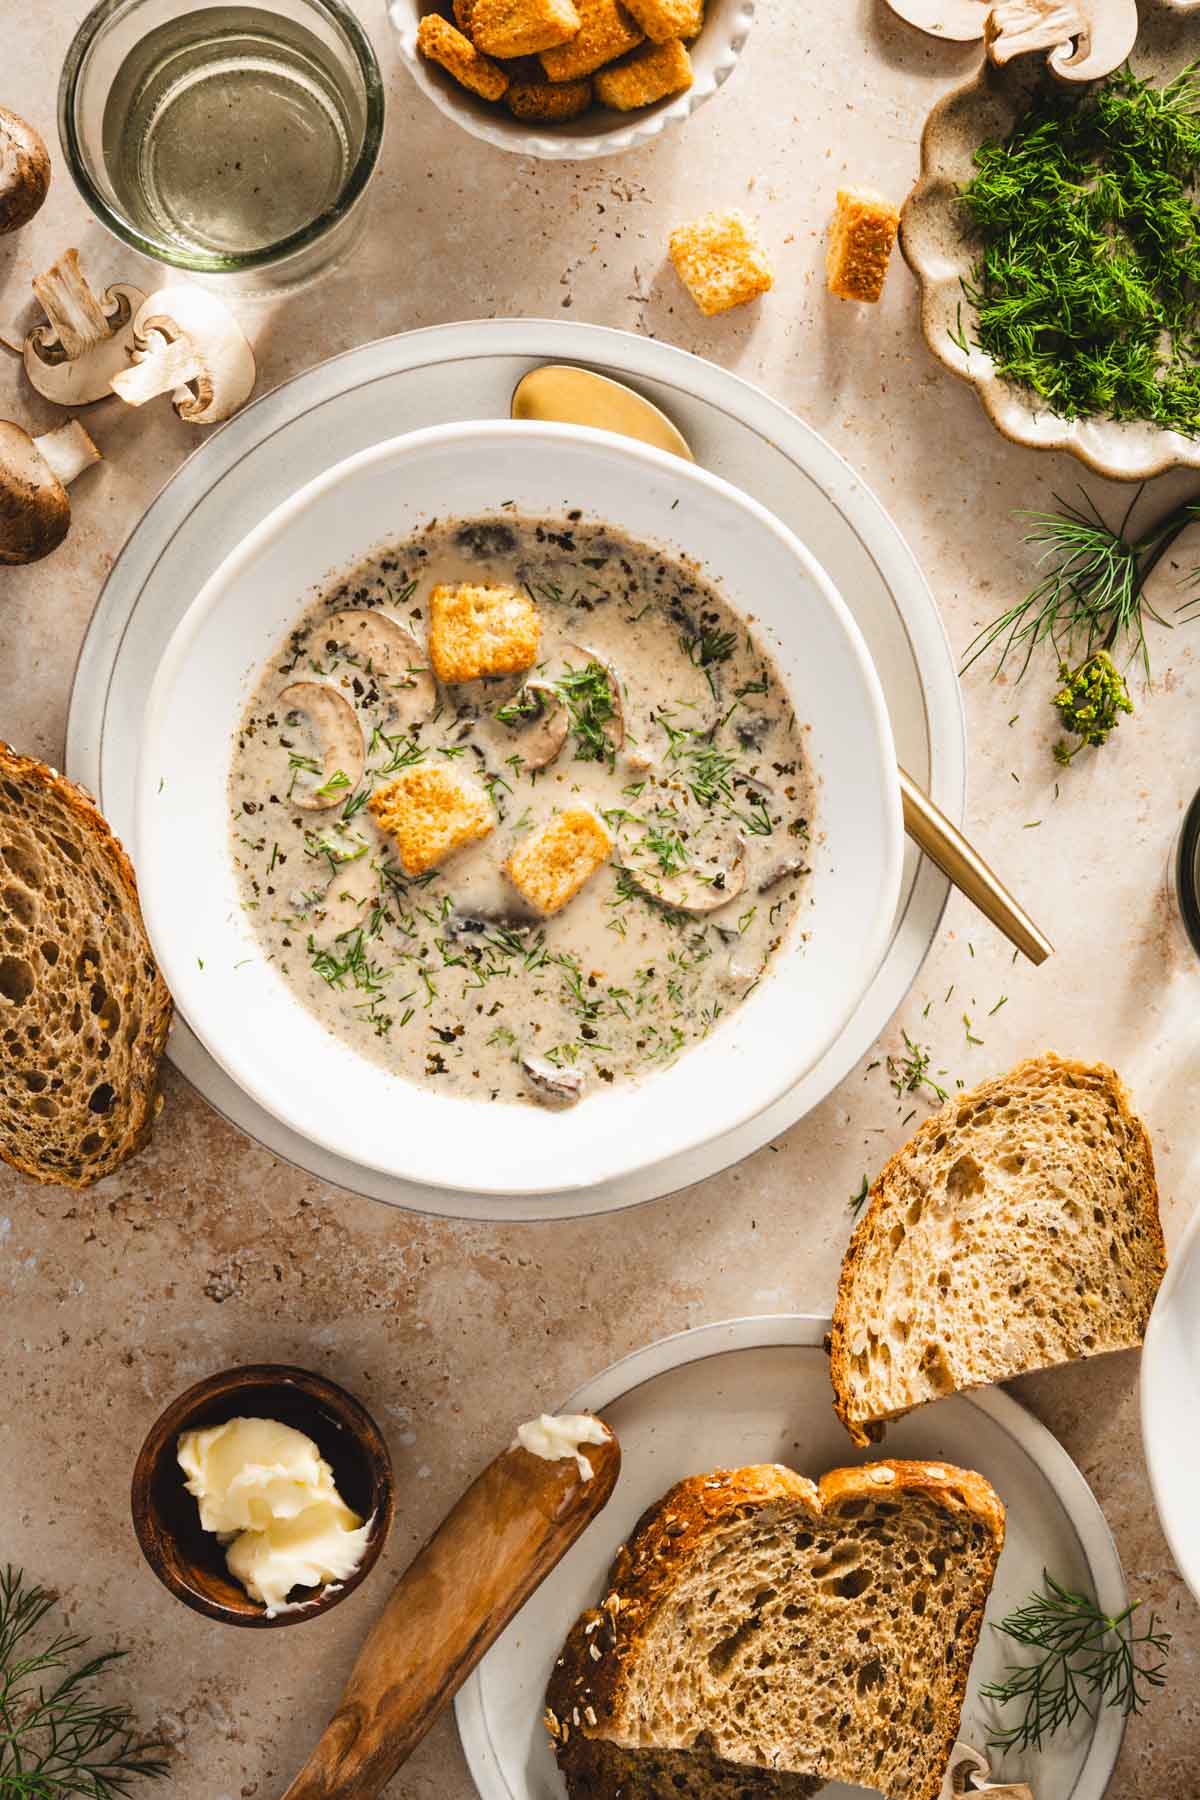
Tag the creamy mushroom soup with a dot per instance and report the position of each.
(617, 832)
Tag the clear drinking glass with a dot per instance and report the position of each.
(223, 139)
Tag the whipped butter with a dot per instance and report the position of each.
(554, 1438)
(269, 1496)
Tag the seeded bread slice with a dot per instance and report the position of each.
(813, 1629)
(596, 1770)
(1017, 1229)
(84, 1012)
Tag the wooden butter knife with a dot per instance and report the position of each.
(511, 1527)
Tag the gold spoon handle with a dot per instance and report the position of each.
(945, 845)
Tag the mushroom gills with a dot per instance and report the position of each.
(390, 652)
(336, 736)
(188, 345)
(713, 878)
(551, 1086)
(543, 738)
(72, 358)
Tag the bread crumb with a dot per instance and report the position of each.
(522, 27)
(430, 811)
(551, 865)
(480, 630)
(861, 238)
(649, 74)
(721, 261)
(438, 40)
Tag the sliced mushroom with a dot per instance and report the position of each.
(961, 21)
(713, 879)
(86, 341)
(970, 1765)
(336, 733)
(553, 1087)
(35, 510)
(188, 345)
(391, 650)
(24, 171)
(1085, 39)
(784, 870)
(542, 739)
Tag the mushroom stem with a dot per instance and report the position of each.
(68, 450)
(164, 365)
(74, 312)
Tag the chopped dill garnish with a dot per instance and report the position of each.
(589, 696)
(910, 1072)
(857, 1201)
(1087, 286)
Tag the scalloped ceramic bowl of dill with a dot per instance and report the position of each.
(1055, 233)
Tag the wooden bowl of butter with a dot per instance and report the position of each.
(263, 1495)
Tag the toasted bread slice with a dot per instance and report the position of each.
(84, 1012)
(1017, 1229)
(595, 1770)
(822, 1630)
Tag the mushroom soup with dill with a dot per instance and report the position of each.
(521, 809)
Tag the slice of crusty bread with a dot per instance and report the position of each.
(818, 1629)
(84, 1012)
(1017, 1229)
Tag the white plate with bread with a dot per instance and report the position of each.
(757, 1391)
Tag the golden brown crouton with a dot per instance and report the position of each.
(476, 631)
(650, 74)
(664, 19)
(721, 261)
(522, 27)
(441, 43)
(860, 244)
(463, 11)
(549, 101)
(551, 865)
(606, 31)
(431, 811)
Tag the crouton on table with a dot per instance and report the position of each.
(430, 811)
(606, 31)
(443, 44)
(478, 630)
(721, 261)
(649, 74)
(522, 27)
(860, 244)
(551, 865)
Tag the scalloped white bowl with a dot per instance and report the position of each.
(598, 132)
(252, 1022)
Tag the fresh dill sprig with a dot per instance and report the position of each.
(588, 693)
(1086, 288)
(858, 1201)
(1087, 1660)
(56, 1737)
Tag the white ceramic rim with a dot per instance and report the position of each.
(808, 1331)
(185, 975)
(506, 133)
(111, 658)
(1162, 1356)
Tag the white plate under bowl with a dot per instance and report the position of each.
(468, 371)
(252, 1021)
(1170, 1393)
(757, 1390)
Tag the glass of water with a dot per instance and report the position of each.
(225, 140)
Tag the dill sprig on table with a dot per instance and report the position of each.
(1087, 1660)
(1087, 285)
(56, 1737)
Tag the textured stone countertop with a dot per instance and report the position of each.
(206, 1250)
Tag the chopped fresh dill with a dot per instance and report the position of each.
(910, 1072)
(1087, 284)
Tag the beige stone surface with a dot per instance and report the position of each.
(207, 1251)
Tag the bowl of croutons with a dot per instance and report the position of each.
(569, 79)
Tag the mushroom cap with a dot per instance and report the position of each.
(24, 171)
(35, 510)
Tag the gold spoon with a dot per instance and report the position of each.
(571, 396)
